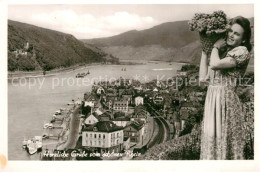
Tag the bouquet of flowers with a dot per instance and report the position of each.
(211, 27)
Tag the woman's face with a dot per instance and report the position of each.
(235, 35)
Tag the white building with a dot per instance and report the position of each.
(91, 119)
(155, 90)
(89, 103)
(100, 90)
(121, 106)
(103, 136)
(157, 99)
(135, 130)
(99, 111)
(139, 100)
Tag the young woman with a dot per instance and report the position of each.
(222, 126)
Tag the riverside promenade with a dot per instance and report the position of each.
(65, 133)
(73, 133)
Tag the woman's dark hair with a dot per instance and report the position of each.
(245, 24)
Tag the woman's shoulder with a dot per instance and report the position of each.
(238, 51)
(240, 54)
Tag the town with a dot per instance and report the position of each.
(125, 118)
(127, 115)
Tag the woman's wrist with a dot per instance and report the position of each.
(216, 47)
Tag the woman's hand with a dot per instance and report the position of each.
(220, 44)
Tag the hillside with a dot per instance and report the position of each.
(46, 49)
(168, 35)
(172, 41)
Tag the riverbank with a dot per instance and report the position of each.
(40, 73)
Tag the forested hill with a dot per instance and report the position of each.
(35, 48)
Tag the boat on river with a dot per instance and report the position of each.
(80, 75)
(48, 125)
(33, 145)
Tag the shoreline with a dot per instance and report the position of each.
(31, 74)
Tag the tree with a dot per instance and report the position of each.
(85, 110)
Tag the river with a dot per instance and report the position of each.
(33, 101)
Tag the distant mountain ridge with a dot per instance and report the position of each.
(48, 49)
(163, 34)
(171, 41)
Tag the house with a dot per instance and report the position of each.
(89, 103)
(100, 90)
(126, 143)
(91, 119)
(177, 126)
(197, 96)
(103, 137)
(158, 99)
(128, 82)
(155, 90)
(124, 92)
(185, 110)
(135, 130)
(169, 115)
(120, 91)
(127, 94)
(139, 100)
(119, 114)
(90, 99)
(110, 102)
(99, 111)
(138, 88)
(187, 106)
(183, 117)
(140, 113)
(120, 105)
(106, 116)
(165, 91)
(111, 92)
(127, 98)
(121, 121)
(20, 52)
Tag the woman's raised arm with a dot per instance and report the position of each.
(203, 67)
(216, 63)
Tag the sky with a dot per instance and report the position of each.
(94, 21)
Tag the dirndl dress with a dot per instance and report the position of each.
(222, 135)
